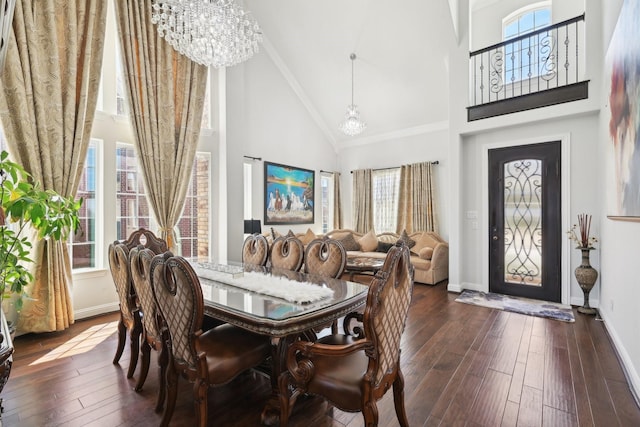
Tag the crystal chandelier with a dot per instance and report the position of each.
(216, 33)
(352, 124)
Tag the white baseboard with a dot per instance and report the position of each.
(454, 287)
(96, 310)
(633, 378)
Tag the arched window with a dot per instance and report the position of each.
(522, 57)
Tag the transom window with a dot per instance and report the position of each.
(523, 57)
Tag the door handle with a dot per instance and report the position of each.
(495, 237)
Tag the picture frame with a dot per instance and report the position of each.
(622, 65)
(289, 194)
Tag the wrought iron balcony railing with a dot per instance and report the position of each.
(549, 58)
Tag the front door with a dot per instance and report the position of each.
(524, 221)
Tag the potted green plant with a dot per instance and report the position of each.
(24, 206)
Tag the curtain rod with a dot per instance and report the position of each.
(323, 171)
(253, 158)
(435, 162)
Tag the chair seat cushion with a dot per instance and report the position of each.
(231, 350)
(340, 379)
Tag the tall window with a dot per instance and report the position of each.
(386, 192)
(82, 245)
(133, 209)
(193, 226)
(523, 58)
(326, 187)
(247, 175)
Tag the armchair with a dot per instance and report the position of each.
(354, 373)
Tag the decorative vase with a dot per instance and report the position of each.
(586, 277)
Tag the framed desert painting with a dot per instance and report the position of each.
(623, 72)
(288, 194)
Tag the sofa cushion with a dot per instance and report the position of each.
(368, 242)
(404, 237)
(426, 240)
(349, 243)
(384, 247)
(308, 237)
(426, 252)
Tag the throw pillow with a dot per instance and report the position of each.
(368, 242)
(404, 237)
(384, 247)
(426, 253)
(349, 243)
(290, 234)
(308, 237)
(425, 240)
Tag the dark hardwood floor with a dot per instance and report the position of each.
(463, 365)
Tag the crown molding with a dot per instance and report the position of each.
(396, 134)
(297, 89)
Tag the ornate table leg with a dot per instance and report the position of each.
(271, 413)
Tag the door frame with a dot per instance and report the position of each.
(565, 179)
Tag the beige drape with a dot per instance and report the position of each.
(362, 201)
(337, 202)
(47, 104)
(166, 97)
(416, 207)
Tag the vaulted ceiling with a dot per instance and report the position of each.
(401, 76)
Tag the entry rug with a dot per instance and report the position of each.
(532, 307)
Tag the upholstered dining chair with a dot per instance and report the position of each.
(325, 257)
(129, 314)
(121, 273)
(354, 375)
(155, 335)
(255, 250)
(146, 238)
(287, 253)
(207, 359)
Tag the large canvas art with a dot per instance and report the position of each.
(289, 193)
(623, 66)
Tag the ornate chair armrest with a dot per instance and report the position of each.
(357, 331)
(301, 367)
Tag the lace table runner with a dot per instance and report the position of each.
(275, 286)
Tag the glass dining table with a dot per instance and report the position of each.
(281, 304)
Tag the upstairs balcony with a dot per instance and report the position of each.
(537, 69)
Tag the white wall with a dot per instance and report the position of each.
(266, 119)
(579, 135)
(620, 252)
(394, 153)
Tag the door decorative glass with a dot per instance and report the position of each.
(523, 222)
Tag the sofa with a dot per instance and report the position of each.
(429, 252)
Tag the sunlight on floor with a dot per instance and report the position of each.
(81, 343)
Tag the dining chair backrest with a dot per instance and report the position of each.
(287, 253)
(146, 238)
(179, 296)
(255, 250)
(386, 311)
(140, 261)
(325, 257)
(121, 273)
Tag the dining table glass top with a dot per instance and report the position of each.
(230, 297)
